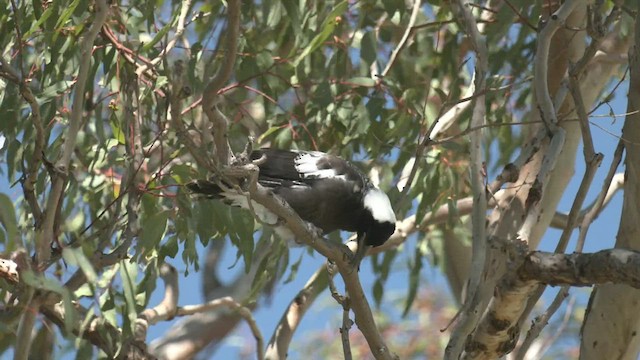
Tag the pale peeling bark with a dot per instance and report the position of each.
(542, 196)
(523, 208)
(612, 324)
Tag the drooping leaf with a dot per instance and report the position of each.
(153, 230)
(75, 257)
(327, 28)
(8, 221)
(414, 280)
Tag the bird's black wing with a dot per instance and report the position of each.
(304, 168)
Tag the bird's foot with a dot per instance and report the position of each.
(357, 254)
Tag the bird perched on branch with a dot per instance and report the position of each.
(323, 189)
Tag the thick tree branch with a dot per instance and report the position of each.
(498, 333)
(474, 304)
(168, 308)
(617, 266)
(279, 344)
(228, 302)
(614, 309)
(97, 331)
(193, 333)
(541, 84)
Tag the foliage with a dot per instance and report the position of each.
(308, 75)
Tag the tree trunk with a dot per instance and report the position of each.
(611, 326)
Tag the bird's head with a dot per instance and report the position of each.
(381, 220)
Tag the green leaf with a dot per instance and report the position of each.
(44, 283)
(160, 35)
(243, 224)
(293, 12)
(368, 49)
(362, 81)
(45, 16)
(294, 269)
(275, 14)
(66, 14)
(414, 280)
(327, 27)
(128, 274)
(323, 96)
(378, 292)
(170, 248)
(75, 257)
(153, 230)
(54, 90)
(8, 221)
(118, 134)
(266, 134)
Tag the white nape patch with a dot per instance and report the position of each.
(307, 165)
(378, 203)
(262, 213)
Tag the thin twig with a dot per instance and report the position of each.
(403, 42)
(560, 330)
(607, 184)
(523, 19)
(587, 139)
(180, 27)
(344, 330)
(540, 322)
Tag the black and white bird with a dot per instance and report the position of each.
(323, 189)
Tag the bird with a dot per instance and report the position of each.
(323, 189)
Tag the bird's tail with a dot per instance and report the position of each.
(205, 187)
(213, 190)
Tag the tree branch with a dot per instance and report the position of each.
(220, 126)
(28, 182)
(473, 304)
(244, 312)
(278, 346)
(498, 333)
(166, 309)
(46, 234)
(540, 82)
(616, 266)
(180, 27)
(403, 42)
